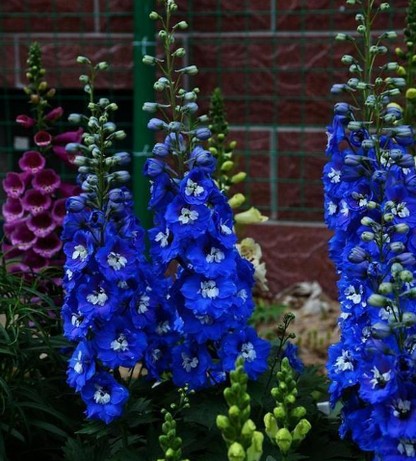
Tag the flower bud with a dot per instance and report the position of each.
(377, 300)
(180, 53)
(83, 60)
(223, 422)
(236, 200)
(227, 166)
(149, 60)
(284, 440)
(271, 426)
(102, 65)
(189, 70)
(156, 124)
(384, 7)
(406, 276)
(385, 288)
(150, 107)
(298, 413)
(239, 177)
(160, 150)
(236, 452)
(202, 134)
(154, 16)
(251, 216)
(411, 94)
(409, 319)
(367, 236)
(301, 430)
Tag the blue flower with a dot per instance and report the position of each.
(247, 344)
(97, 297)
(195, 187)
(186, 219)
(118, 344)
(117, 259)
(79, 250)
(190, 365)
(105, 397)
(81, 366)
(208, 296)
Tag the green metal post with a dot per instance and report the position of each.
(143, 139)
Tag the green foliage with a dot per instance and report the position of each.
(238, 430)
(36, 412)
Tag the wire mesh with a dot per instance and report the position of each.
(275, 61)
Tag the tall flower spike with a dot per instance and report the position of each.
(193, 221)
(370, 203)
(113, 301)
(33, 211)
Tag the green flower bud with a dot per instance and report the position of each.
(239, 177)
(347, 59)
(284, 440)
(180, 53)
(154, 16)
(83, 60)
(182, 25)
(377, 300)
(406, 276)
(102, 65)
(367, 236)
(149, 60)
(401, 228)
(411, 94)
(84, 79)
(361, 29)
(301, 430)
(409, 319)
(236, 452)
(236, 200)
(271, 426)
(255, 450)
(385, 288)
(222, 422)
(298, 413)
(384, 7)
(248, 429)
(227, 166)
(189, 70)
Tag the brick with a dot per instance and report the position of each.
(59, 61)
(116, 16)
(8, 68)
(288, 166)
(295, 254)
(46, 16)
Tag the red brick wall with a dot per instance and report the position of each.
(275, 61)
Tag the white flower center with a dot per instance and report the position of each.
(401, 210)
(76, 320)
(225, 229)
(193, 188)
(143, 304)
(401, 408)
(188, 216)
(163, 327)
(69, 274)
(80, 252)
(120, 344)
(243, 294)
(188, 363)
(380, 379)
(332, 208)
(248, 352)
(353, 294)
(334, 175)
(116, 261)
(98, 297)
(344, 208)
(78, 367)
(407, 447)
(205, 319)
(156, 355)
(101, 396)
(209, 289)
(162, 239)
(344, 362)
(215, 256)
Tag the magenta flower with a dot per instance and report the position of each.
(59, 211)
(32, 161)
(17, 268)
(46, 181)
(13, 185)
(9, 227)
(35, 261)
(42, 138)
(42, 224)
(35, 202)
(48, 246)
(12, 209)
(61, 140)
(23, 237)
(9, 251)
(25, 121)
(54, 114)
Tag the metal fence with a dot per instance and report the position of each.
(275, 61)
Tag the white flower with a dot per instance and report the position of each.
(163, 239)
(144, 303)
(80, 252)
(188, 216)
(344, 362)
(401, 210)
(101, 396)
(209, 289)
(116, 261)
(248, 352)
(78, 367)
(215, 256)
(225, 230)
(97, 297)
(193, 188)
(332, 208)
(353, 294)
(120, 344)
(379, 378)
(335, 176)
(188, 363)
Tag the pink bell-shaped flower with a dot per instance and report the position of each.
(35, 261)
(46, 181)
(32, 162)
(23, 237)
(25, 121)
(54, 114)
(35, 202)
(59, 211)
(12, 209)
(42, 224)
(48, 246)
(42, 138)
(13, 185)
